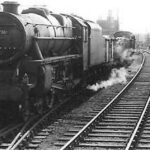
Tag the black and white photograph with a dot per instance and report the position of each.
(74, 75)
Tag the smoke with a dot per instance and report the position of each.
(119, 75)
(122, 52)
(116, 76)
(135, 65)
(123, 55)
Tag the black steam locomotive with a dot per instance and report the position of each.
(124, 45)
(127, 37)
(43, 53)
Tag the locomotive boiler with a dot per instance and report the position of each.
(43, 54)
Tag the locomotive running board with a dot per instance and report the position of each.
(56, 59)
(54, 38)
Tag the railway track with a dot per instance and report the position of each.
(29, 134)
(142, 141)
(11, 133)
(120, 125)
(31, 137)
(9, 130)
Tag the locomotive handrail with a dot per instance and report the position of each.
(54, 38)
(48, 25)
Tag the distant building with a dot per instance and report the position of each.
(109, 25)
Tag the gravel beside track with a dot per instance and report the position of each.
(99, 100)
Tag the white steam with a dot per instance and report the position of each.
(135, 65)
(117, 76)
(125, 56)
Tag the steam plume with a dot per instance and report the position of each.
(117, 76)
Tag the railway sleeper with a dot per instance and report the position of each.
(103, 144)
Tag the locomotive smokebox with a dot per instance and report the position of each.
(11, 7)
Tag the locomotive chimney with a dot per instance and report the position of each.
(11, 7)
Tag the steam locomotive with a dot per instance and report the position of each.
(43, 54)
(124, 45)
(128, 38)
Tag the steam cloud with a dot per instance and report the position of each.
(117, 76)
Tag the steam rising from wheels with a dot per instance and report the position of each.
(118, 75)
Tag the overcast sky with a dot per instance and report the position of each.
(134, 15)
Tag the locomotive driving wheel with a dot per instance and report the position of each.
(24, 109)
(53, 98)
(39, 105)
(49, 101)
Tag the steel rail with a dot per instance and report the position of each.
(129, 144)
(21, 132)
(75, 139)
(39, 122)
(133, 136)
(10, 128)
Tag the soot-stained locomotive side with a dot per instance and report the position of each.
(43, 54)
